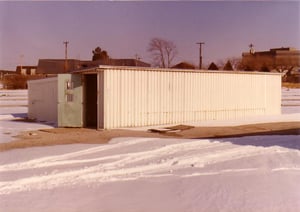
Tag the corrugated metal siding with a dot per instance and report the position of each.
(42, 99)
(151, 97)
(273, 97)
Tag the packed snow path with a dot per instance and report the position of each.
(259, 173)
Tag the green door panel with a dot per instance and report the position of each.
(70, 103)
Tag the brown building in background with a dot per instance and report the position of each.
(57, 66)
(26, 70)
(279, 59)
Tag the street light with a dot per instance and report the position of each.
(200, 54)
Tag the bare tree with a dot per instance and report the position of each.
(236, 63)
(163, 52)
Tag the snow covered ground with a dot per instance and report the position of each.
(13, 106)
(290, 101)
(259, 173)
(253, 173)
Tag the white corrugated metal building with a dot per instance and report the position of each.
(113, 97)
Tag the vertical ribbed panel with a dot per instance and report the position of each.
(42, 99)
(141, 97)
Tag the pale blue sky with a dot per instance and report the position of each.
(38, 29)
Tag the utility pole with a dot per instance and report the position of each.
(137, 58)
(252, 51)
(21, 63)
(200, 54)
(66, 55)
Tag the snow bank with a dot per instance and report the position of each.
(146, 174)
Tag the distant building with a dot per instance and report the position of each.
(184, 65)
(5, 72)
(278, 58)
(26, 70)
(56, 66)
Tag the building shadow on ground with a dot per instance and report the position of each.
(25, 119)
(19, 115)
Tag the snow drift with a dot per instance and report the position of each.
(148, 174)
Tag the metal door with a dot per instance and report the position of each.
(70, 104)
